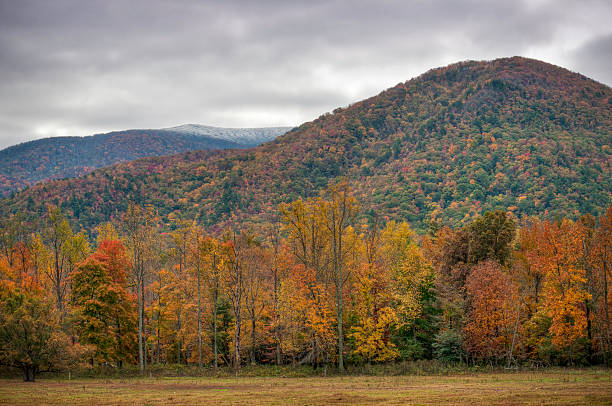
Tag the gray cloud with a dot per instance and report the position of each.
(595, 57)
(82, 67)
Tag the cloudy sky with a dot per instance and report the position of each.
(83, 67)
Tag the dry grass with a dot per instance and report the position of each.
(562, 387)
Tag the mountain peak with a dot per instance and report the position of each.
(245, 136)
(511, 134)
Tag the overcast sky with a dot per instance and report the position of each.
(84, 67)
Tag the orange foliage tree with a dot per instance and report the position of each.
(557, 254)
(492, 314)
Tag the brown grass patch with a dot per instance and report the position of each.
(563, 387)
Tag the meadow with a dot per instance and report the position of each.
(549, 387)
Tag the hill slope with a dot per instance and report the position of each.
(513, 134)
(66, 157)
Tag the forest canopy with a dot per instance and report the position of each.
(320, 286)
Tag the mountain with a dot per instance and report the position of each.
(248, 137)
(67, 157)
(514, 134)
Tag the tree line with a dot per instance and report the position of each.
(323, 286)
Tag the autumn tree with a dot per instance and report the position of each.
(102, 312)
(485, 237)
(492, 313)
(411, 283)
(213, 252)
(59, 250)
(104, 309)
(373, 305)
(278, 270)
(339, 211)
(306, 317)
(182, 293)
(15, 242)
(256, 283)
(138, 223)
(106, 232)
(558, 253)
(30, 335)
(236, 249)
(373, 301)
(444, 249)
(17, 254)
(490, 237)
(197, 250)
(527, 271)
(161, 323)
(601, 262)
(305, 304)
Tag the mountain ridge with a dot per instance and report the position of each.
(247, 136)
(50, 158)
(514, 134)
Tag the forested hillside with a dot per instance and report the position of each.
(461, 217)
(513, 134)
(67, 157)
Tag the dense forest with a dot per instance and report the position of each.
(67, 157)
(463, 216)
(321, 286)
(511, 134)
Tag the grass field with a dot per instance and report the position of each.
(560, 387)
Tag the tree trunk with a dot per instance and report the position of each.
(29, 373)
(607, 324)
(146, 353)
(276, 332)
(199, 320)
(142, 316)
(589, 328)
(58, 286)
(253, 340)
(140, 325)
(215, 294)
(237, 302)
(340, 337)
(337, 244)
(237, 340)
(158, 344)
(537, 289)
(119, 348)
(178, 340)
(516, 325)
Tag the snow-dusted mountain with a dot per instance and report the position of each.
(243, 136)
(35, 161)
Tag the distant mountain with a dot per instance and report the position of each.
(244, 136)
(66, 157)
(514, 134)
